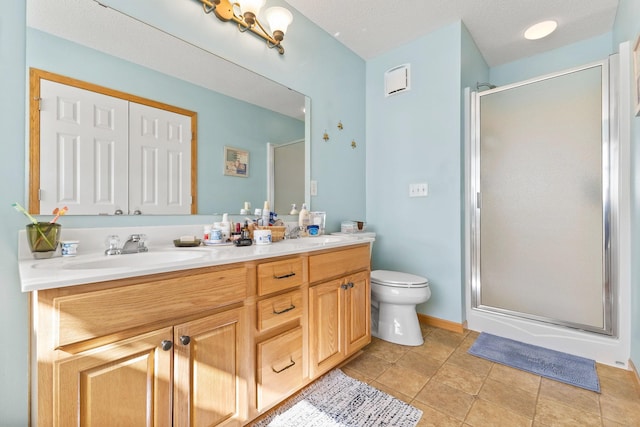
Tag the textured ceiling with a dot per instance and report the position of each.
(372, 27)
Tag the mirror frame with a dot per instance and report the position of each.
(36, 75)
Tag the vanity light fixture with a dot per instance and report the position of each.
(245, 14)
(540, 30)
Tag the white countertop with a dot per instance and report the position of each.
(91, 265)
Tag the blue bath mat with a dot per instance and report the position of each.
(555, 365)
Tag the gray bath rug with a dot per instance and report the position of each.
(337, 400)
(555, 365)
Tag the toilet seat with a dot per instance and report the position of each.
(398, 279)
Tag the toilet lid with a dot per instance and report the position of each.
(398, 279)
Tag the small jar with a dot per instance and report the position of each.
(69, 247)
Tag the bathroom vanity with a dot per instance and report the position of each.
(215, 340)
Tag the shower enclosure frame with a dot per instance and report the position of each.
(531, 328)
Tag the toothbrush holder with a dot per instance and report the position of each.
(43, 239)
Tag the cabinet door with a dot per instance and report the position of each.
(326, 318)
(122, 384)
(159, 161)
(210, 370)
(358, 312)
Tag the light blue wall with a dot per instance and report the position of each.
(627, 28)
(415, 137)
(13, 303)
(576, 54)
(221, 120)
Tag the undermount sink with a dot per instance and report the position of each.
(145, 259)
(317, 240)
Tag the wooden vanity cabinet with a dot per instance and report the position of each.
(339, 306)
(182, 365)
(215, 346)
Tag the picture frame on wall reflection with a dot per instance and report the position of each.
(636, 76)
(236, 162)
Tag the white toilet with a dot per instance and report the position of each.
(394, 296)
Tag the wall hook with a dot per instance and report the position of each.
(325, 136)
(353, 144)
(340, 125)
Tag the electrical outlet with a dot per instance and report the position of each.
(314, 188)
(418, 190)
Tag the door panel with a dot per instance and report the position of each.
(209, 388)
(358, 312)
(88, 129)
(160, 162)
(543, 199)
(326, 310)
(133, 376)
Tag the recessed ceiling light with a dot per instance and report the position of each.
(540, 30)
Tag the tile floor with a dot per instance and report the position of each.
(453, 388)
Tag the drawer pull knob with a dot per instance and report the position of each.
(284, 276)
(185, 339)
(285, 368)
(285, 310)
(166, 345)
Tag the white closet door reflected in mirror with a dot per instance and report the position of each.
(107, 155)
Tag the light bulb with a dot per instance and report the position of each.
(279, 19)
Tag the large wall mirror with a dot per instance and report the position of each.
(235, 107)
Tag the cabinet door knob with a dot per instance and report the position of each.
(351, 285)
(166, 345)
(185, 339)
(344, 286)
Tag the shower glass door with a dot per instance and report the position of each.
(541, 225)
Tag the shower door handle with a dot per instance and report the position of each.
(478, 200)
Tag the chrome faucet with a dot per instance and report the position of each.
(136, 243)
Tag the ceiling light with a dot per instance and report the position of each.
(245, 14)
(540, 30)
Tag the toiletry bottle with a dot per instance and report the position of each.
(266, 210)
(225, 226)
(294, 210)
(303, 219)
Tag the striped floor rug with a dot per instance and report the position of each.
(337, 400)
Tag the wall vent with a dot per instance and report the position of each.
(397, 80)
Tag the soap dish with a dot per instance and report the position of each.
(180, 244)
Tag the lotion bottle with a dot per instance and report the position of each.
(303, 219)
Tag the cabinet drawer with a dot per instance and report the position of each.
(83, 316)
(279, 310)
(337, 263)
(279, 367)
(279, 275)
